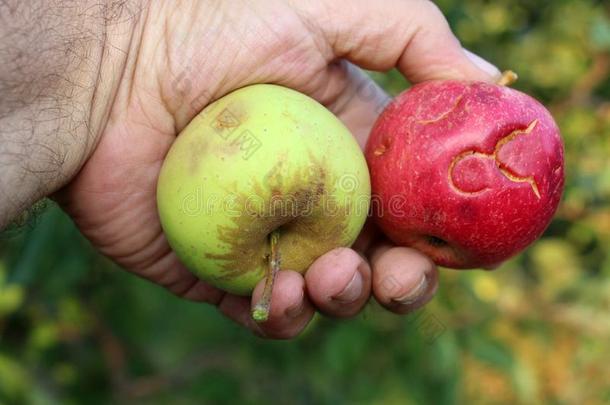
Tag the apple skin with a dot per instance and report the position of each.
(469, 173)
(261, 158)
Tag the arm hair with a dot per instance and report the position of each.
(60, 65)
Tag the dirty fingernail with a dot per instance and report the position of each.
(415, 293)
(352, 290)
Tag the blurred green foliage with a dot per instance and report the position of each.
(76, 329)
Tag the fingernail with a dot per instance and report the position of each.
(415, 293)
(352, 290)
(484, 65)
(296, 310)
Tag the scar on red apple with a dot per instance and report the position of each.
(474, 188)
(383, 148)
(445, 114)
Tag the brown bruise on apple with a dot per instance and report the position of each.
(308, 221)
(197, 147)
(501, 167)
(434, 246)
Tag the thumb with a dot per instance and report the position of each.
(411, 35)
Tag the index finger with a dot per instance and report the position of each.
(412, 36)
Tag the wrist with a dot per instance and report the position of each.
(65, 63)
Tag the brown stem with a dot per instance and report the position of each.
(508, 77)
(260, 312)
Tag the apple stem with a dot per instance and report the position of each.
(260, 312)
(508, 77)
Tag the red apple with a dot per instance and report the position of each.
(468, 173)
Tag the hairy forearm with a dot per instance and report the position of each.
(60, 64)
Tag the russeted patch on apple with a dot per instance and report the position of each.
(469, 173)
(261, 176)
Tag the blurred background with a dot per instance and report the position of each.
(74, 328)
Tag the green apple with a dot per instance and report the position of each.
(262, 161)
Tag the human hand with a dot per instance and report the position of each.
(184, 55)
